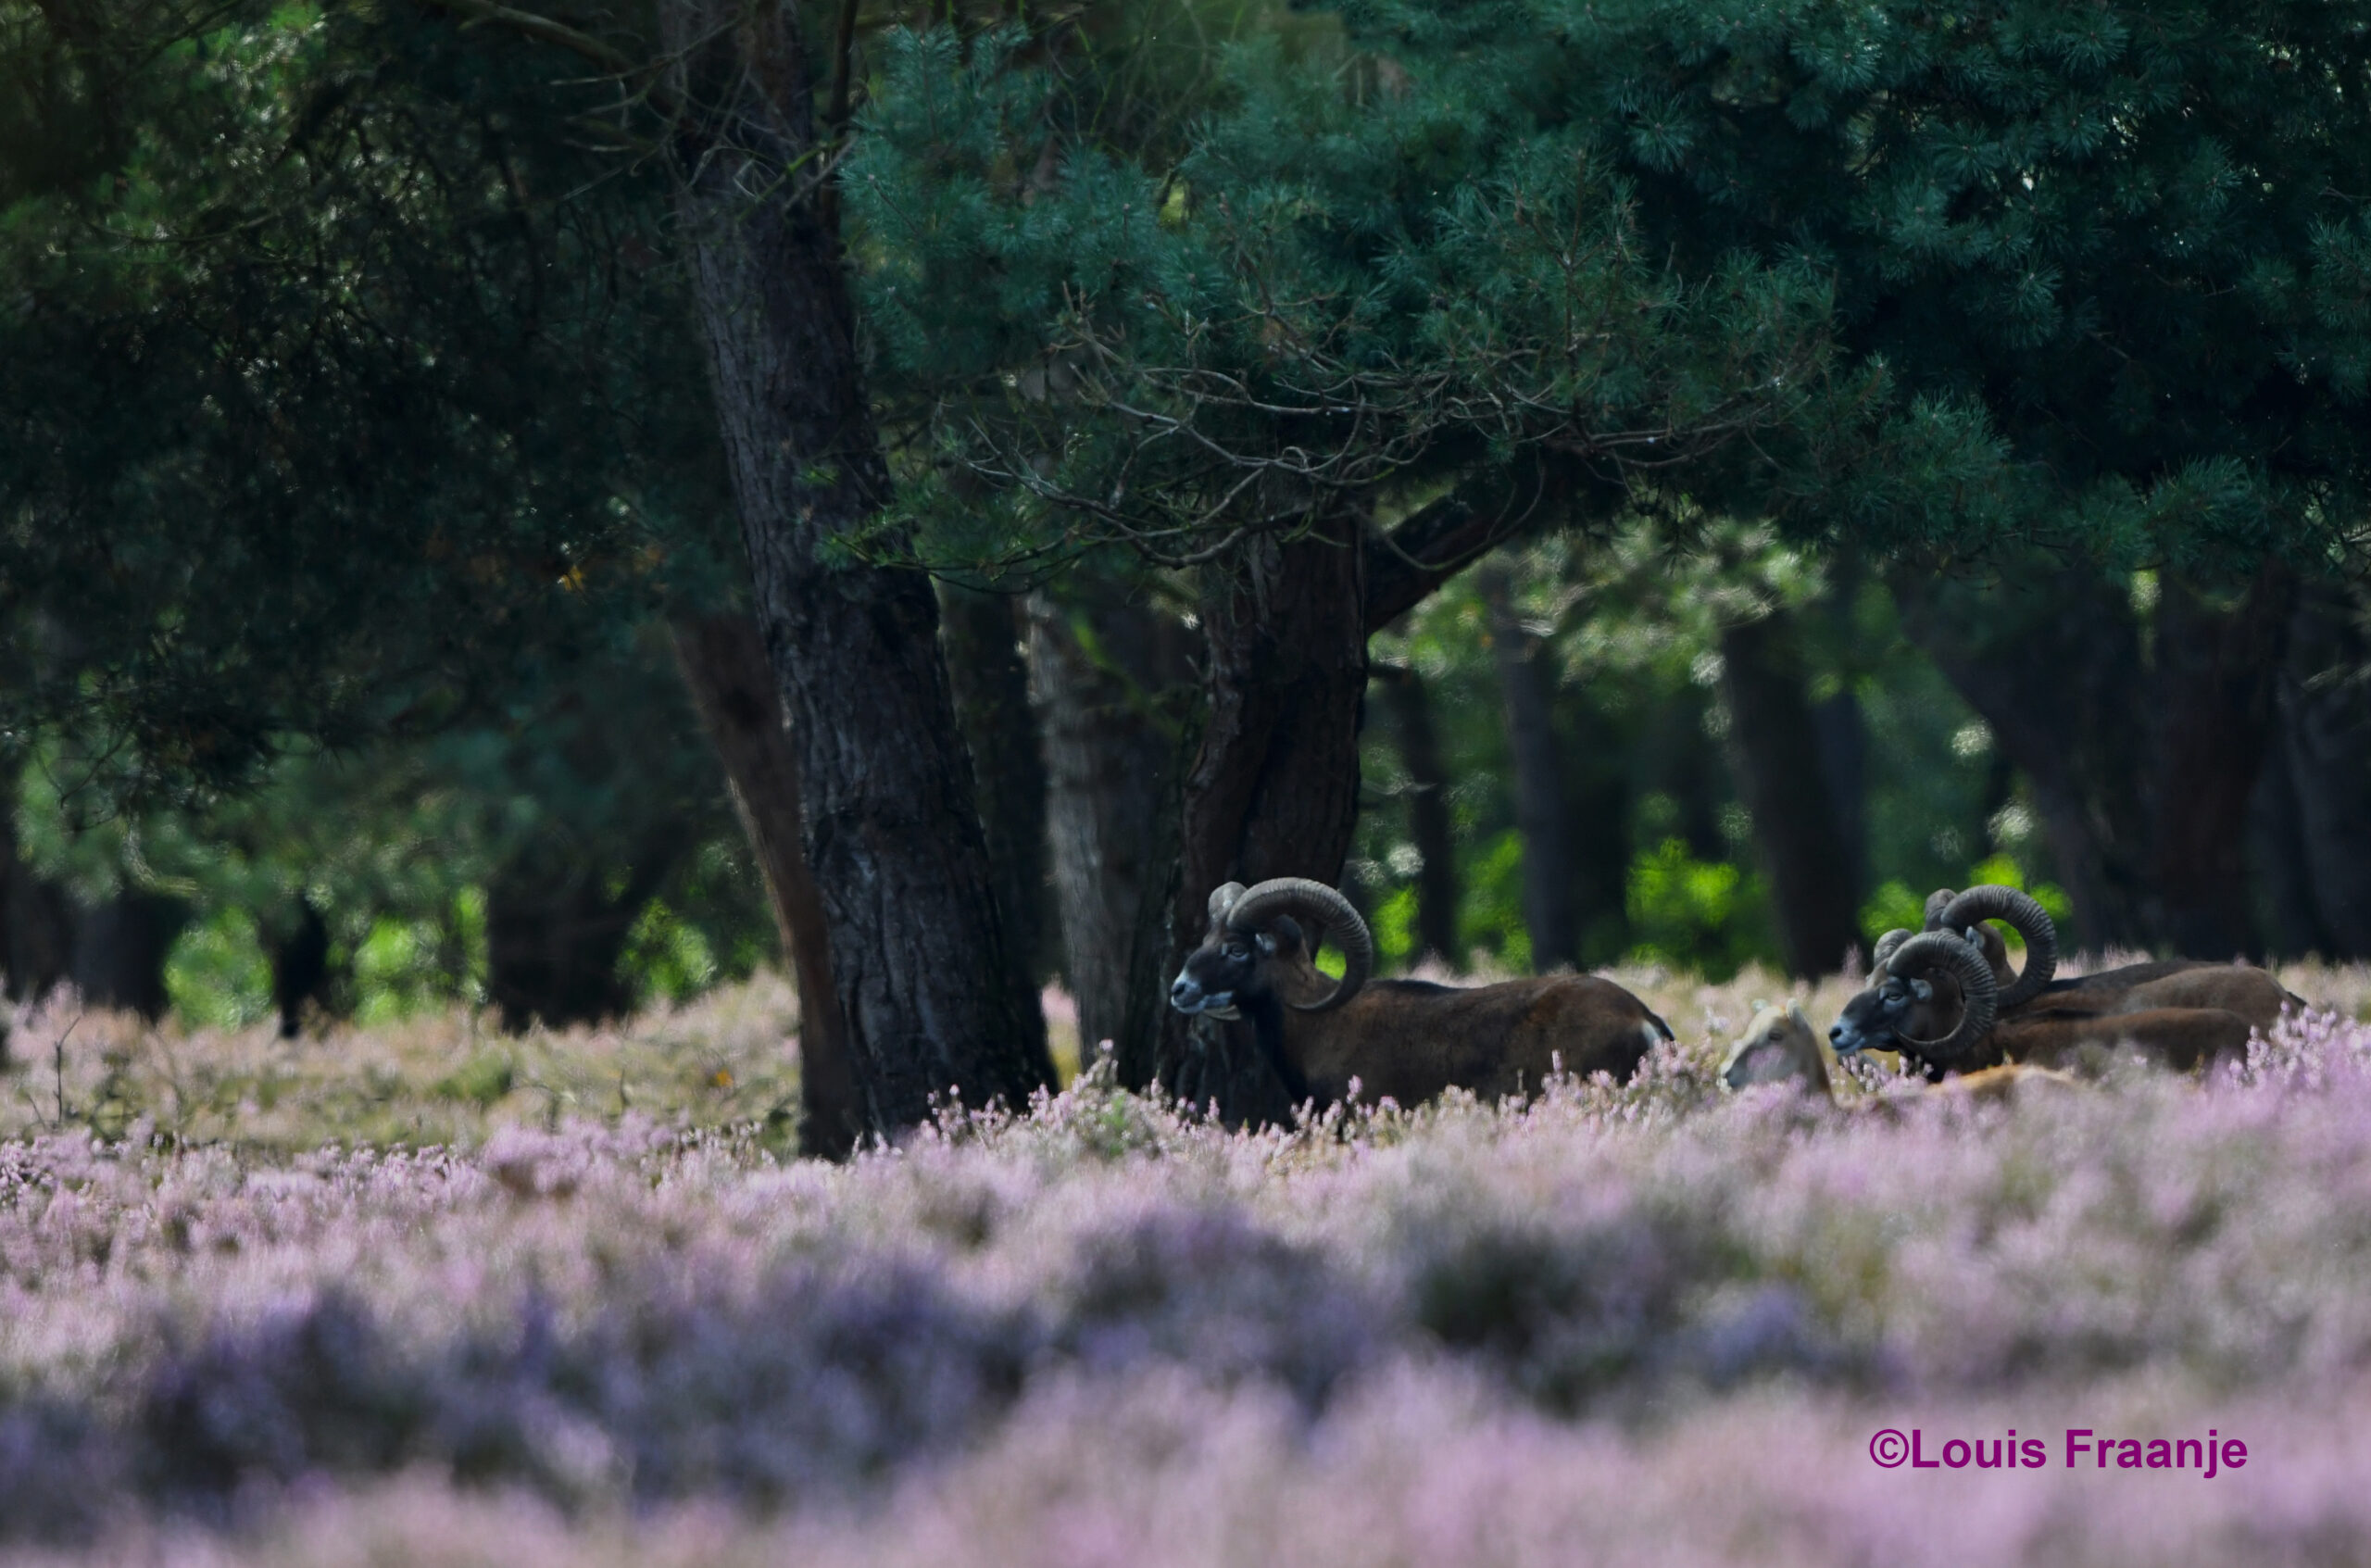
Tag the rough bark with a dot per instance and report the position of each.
(739, 701)
(918, 952)
(1526, 688)
(1428, 819)
(1776, 753)
(2324, 724)
(1101, 666)
(1272, 790)
(1272, 787)
(989, 675)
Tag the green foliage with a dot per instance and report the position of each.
(1634, 622)
(336, 372)
(1896, 907)
(669, 958)
(217, 975)
(1918, 280)
(2002, 870)
(328, 382)
(403, 967)
(1333, 292)
(2124, 232)
(1490, 917)
(399, 849)
(481, 1081)
(1395, 928)
(1708, 916)
(1893, 907)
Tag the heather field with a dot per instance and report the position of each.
(426, 1295)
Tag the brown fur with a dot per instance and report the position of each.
(1408, 1040)
(1992, 1086)
(1778, 1047)
(2184, 1014)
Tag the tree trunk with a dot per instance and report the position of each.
(990, 674)
(2142, 770)
(2051, 660)
(1776, 751)
(2283, 860)
(1842, 728)
(1099, 672)
(120, 950)
(1428, 818)
(36, 923)
(739, 701)
(2216, 673)
(300, 967)
(1539, 789)
(1842, 733)
(1273, 788)
(554, 933)
(2325, 723)
(916, 950)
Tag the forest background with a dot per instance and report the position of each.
(1668, 483)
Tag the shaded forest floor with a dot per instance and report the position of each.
(727, 1059)
(425, 1294)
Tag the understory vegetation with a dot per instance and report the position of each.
(1647, 1320)
(634, 641)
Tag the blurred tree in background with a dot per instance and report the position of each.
(356, 454)
(1660, 483)
(569, 860)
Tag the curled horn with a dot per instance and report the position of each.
(1323, 909)
(1222, 899)
(1945, 949)
(2033, 924)
(1887, 945)
(1937, 902)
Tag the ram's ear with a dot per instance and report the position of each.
(1288, 933)
(1923, 989)
(1267, 940)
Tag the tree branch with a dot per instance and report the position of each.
(560, 35)
(835, 110)
(1443, 538)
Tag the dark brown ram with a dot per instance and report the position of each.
(1405, 1040)
(1778, 1048)
(1944, 998)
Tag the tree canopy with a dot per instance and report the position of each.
(379, 371)
(337, 370)
(1909, 279)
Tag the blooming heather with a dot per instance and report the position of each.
(1646, 1322)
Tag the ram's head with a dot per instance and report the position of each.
(1934, 996)
(1256, 949)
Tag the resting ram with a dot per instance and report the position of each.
(1779, 1047)
(1405, 1040)
(1946, 999)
